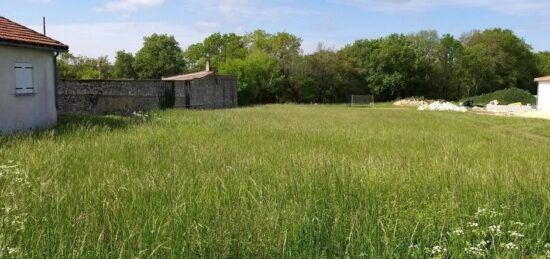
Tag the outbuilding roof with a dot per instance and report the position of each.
(543, 79)
(14, 33)
(189, 77)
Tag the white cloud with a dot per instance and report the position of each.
(245, 9)
(514, 7)
(103, 39)
(129, 5)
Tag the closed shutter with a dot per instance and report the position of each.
(23, 78)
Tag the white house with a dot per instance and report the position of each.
(27, 78)
(543, 93)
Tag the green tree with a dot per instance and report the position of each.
(123, 68)
(477, 70)
(388, 65)
(218, 48)
(449, 55)
(543, 63)
(513, 63)
(429, 78)
(324, 76)
(284, 48)
(258, 77)
(160, 56)
(72, 67)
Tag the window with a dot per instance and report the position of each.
(23, 78)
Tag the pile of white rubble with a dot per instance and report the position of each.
(442, 106)
(411, 102)
(495, 107)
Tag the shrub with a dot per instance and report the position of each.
(506, 96)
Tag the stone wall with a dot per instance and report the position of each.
(128, 96)
(111, 96)
(207, 93)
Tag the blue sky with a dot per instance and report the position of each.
(101, 27)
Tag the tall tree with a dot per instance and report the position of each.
(284, 48)
(388, 65)
(217, 48)
(429, 79)
(258, 77)
(72, 67)
(449, 54)
(477, 70)
(123, 68)
(160, 56)
(513, 62)
(543, 63)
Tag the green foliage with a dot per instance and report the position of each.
(160, 56)
(218, 48)
(397, 66)
(505, 96)
(388, 65)
(278, 181)
(258, 77)
(123, 67)
(72, 67)
(449, 55)
(543, 63)
(325, 76)
(510, 60)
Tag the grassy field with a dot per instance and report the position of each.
(279, 181)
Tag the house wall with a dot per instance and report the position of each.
(27, 112)
(544, 96)
(111, 96)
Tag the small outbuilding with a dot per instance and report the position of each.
(27, 78)
(204, 90)
(543, 95)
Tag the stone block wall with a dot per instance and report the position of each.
(110, 96)
(128, 96)
(207, 93)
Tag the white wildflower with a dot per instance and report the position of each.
(547, 246)
(472, 225)
(413, 247)
(517, 223)
(495, 229)
(515, 234)
(481, 212)
(509, 246)
(438, 250)
(493, 213)
(13, 250)
(483, 243)
(458, 232)
(475, 251)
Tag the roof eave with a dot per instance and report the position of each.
(15, 43)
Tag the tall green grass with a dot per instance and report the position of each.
(283, 181)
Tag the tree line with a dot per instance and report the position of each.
(272, 68)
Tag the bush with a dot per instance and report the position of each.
(506, 96)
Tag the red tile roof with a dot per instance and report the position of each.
(12, 32)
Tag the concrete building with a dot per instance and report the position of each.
(543, 102)
(203, 90)
(27, 78)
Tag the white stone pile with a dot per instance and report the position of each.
(442, 106)
(411, 102)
